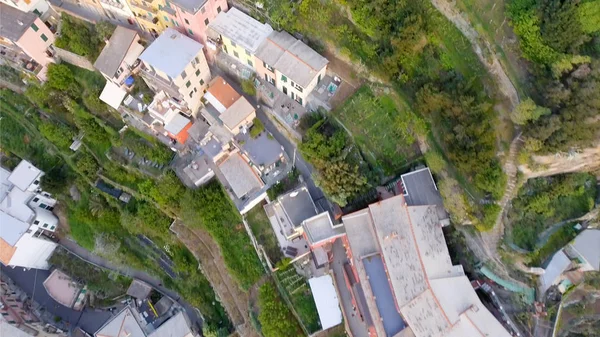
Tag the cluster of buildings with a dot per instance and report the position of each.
(568, 266)
(27, 224)
(394, 276)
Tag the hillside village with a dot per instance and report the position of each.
(210, 168)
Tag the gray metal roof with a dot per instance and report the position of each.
(392, 321)
(240, 176)
(241, 29)
(421, 190)
(13, 22)
(171, 52)
(139, 289)
(177, 124)
(114, 52)
(587, 244)
(191, 6)
(298, 205)
(274, 46)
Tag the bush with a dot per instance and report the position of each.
(275, 317)
(248, 87)
(490, 214)
(257, 128)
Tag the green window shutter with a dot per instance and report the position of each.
(283, 78)
(34, 27)
(197, 72)
(44, 37)
(190, 31)
(187, 85)
(201, 82)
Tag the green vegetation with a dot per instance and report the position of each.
(385, 131)
(257, 128)
(275, 317)
(561, 38)
(557, 241)
(211, 209)
(150, 149)
(263, 232)
(286, 184)
(10, 74)
(330, 151)
(248, 87)
(105, 286)
(542, 202)
(82, 38)
(99, 222)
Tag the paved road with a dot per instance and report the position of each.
(303, 167)
(84, 254)
(31, 282)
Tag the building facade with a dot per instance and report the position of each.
(175, 64)
(27, 224)
(25, 41)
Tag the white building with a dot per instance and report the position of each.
(38, 7)
(26, 218)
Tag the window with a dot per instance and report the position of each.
(166, 18)
(268, 67)
(292, 83)
(299, 88)
(197, 60)
(36, 12)
(186, 21)
(190, 31)
(247, 53)
(36, 182)
(299, 99)
(201, 82)
(149, 14)
(34, 27)
(172, 21)
(52, 228)
(176, 23)
(235, 53)
(284, 79)
(195, 89)
(36, 222)
(233, 44)
(187, 85)
(42, 205)
(36, 199)
(191, 93)
(284, 90)
(219, 9)
(183, 74)
(250, 63)
(44, 38)
(293, 96)
(45, 225)
(160, 7)
(206, 22)
(202, 10)
(198, 72)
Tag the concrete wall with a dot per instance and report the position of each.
(74, 59)
(296, 93)
(197, 24)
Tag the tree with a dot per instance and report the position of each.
(104, 29)
(275, 317)
(61, 78)
(527, 111)
(560, 26)
(60, 135)
(87, 165)
(341, 181)
(248, 87)
(435, 161)
(257, 128)
(455, 200)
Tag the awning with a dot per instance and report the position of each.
(112, 95)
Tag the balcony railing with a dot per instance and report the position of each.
(113, 3)
(147, 18)
(143, 5)
(165, 84)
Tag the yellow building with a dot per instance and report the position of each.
(150, 15)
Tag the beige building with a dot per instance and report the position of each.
(120, 55)
(175, 64)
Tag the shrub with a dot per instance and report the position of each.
(248, 87)
(257, 128)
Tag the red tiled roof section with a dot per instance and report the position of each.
(223, 92)
(6, 252)
(183, 135)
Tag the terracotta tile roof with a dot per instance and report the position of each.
(223, 92)
(6, 252)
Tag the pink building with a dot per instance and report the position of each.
(25, 40)
(192, 17)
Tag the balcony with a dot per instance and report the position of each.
(160, 82)
(148, 19)
(143, 5)
(113, 3)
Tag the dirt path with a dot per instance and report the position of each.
(233, 299)
(485, 53)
